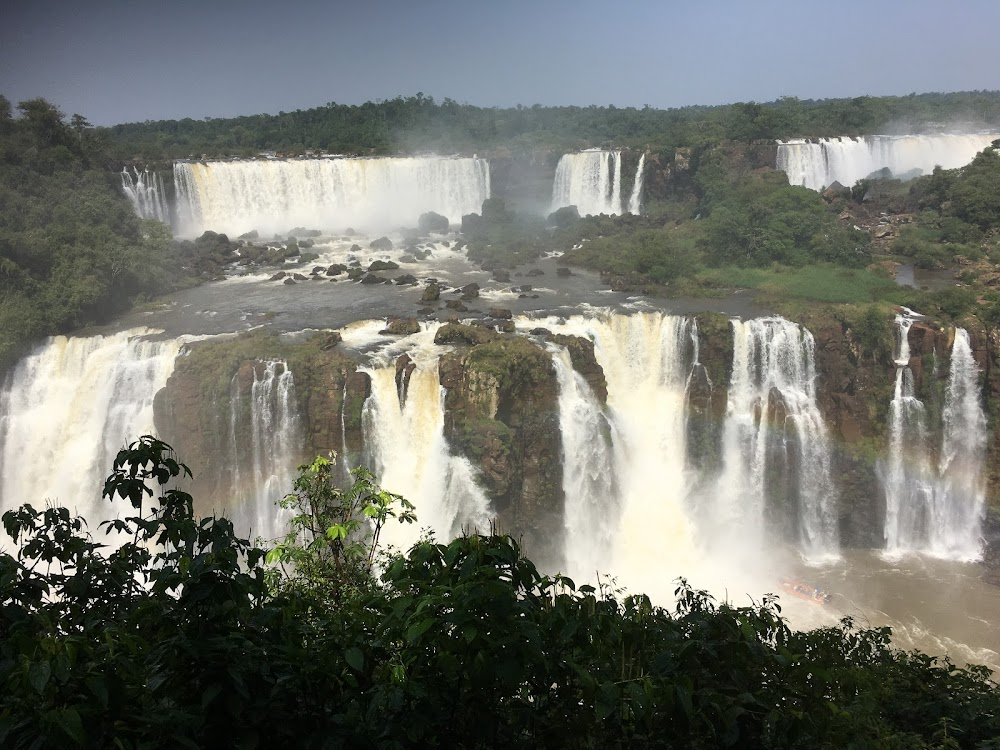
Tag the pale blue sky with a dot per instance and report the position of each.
(127, 60)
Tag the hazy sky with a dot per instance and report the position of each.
(126, 60)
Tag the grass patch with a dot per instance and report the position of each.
(819, 283)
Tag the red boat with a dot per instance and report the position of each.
(805, 591)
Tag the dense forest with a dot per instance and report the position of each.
(72, 251)
(419, 123)
(181, 634)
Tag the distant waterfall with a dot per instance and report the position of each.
(591, 181)
(634, 202)
(265, 456)
(775, 446)
(935, 507)
(145, 191)
(404, 436)
(818, 164)
(274, 195)
(589, 482)
(70, 407)
(959, 502)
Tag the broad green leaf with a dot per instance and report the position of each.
(355, 659)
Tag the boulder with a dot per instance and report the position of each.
(355, 273)
(336, 269)
(506, 326)
(563, 272)
(457, 305)
(298, 277)
(535, 272)
(501, 275)
(836, 190)
(401, 327)
(457, 333)
(472, 224)
(432, 293)
(470, 291)
(565, 216)
(382, 244)
(288, 281)
(382, 265)
(406, 280)
(355, 248)
(407, 258)
(370, 278)
(501, 313)
(278, 276)
(433, 222)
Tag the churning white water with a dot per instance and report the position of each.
(263, 458)
(70, 407)
(145, 191)
(820, 163)
(589, 483)
(404, 437)
(647, 359)
(275, 195)
(775, 448)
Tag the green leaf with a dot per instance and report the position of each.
(337, 531)
(69, 721)
(38, 675)
(274, 555)
(415, 631)
(355, 659)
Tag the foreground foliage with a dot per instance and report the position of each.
(182, 637)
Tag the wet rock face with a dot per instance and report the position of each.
(193, 412)
(502, 413)
(581, 354)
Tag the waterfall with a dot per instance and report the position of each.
(959, 502)
(591, 181)
(409, 454)
(69, 407)
(647, 360)
(635, 201)
(935, 507)
(274, 195)
(145, 191)
(265, 457)
(904, 473)
(589, 483)
(818, 164)
(775, 447)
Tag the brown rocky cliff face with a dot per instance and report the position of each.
(502, 412)
(193, 412)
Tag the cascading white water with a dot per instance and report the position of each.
(274, 195)
(957, 510)
(818, 164)
(404, 437)
(647, 360)
(70, 407)
(904, 473)
(264, 459)
(635, 201)
(935, 508)
(145, 191)
(591, 181)
(589, 482)
(773, 378)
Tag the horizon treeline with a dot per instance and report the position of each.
(420, 123)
